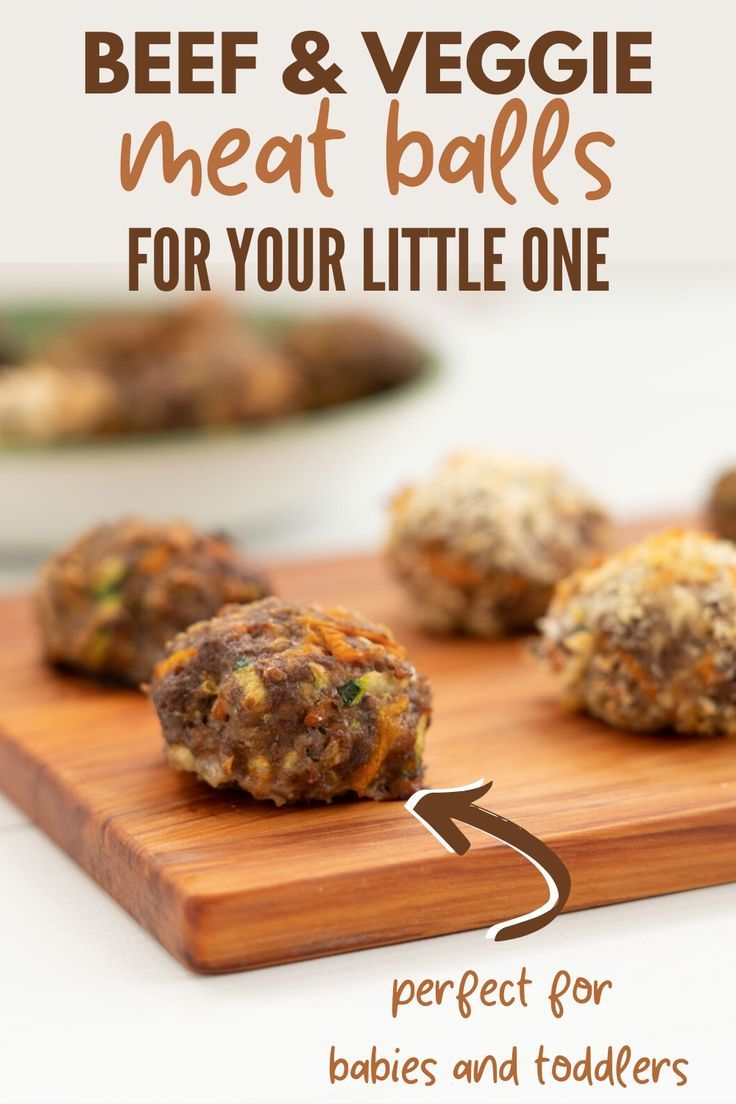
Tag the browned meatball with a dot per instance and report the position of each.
(345, 356)
(293, 703)
(199, 366)
(110, 602)
(722, 506)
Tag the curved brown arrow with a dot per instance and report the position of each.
(437, 809)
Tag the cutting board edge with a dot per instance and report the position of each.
(86, 838)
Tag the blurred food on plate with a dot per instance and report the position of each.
(192, 411)
(41, 403)
(10, 352)
(342, 357)
(199, 366)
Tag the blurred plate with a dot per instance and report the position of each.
(249, 478)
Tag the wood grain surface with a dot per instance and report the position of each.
(226, 883)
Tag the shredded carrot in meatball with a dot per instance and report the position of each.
(377, 636)
(450, 570)
(339, 647)
(637, 673)
(176, 659)
(154, 559)
(389, 731)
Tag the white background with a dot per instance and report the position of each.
(633, 389)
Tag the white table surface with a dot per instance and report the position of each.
(636, 387)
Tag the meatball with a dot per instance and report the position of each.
(480, 545)
(199, 366)
(110, 602)
(10, 351)
(722, 506)
(41, 403)
(343, 357)
(645, 640)
(293, 703)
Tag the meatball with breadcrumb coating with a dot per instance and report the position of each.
(108, 604)
(293, 703)
(646, 640)
(479, 546)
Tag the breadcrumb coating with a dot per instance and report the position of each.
(646, 640)
(480, 544)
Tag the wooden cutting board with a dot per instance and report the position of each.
(226, 883)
